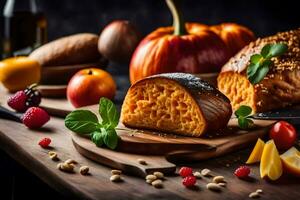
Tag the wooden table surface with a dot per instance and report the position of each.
(21, 144)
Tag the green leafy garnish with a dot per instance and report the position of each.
(260, 63)
(243, 115)
(85, 122)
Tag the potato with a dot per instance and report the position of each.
(73, 49)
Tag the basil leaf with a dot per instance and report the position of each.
(251, 70)
(277, 49)
(243, 111)
(260, 74)
(108, 113)
(265, 50)
(256, 58)
(81, 121)
(97, 138)
(110, 138)
(245, 123)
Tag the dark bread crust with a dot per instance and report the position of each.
(281, 86)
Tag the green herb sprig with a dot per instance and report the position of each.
(260, 63)
(85, 122)
(243, 115)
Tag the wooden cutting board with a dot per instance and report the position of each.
(161, 150)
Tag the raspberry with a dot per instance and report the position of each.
(44, 143)
(18, 101)
(185, 171)
(35, 117)
(242, 172)
(189, 181)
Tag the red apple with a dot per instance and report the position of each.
(87, 86)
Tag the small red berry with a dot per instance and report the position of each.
(189, 181)
(44, 143)
(242, 172)
(35, 117)
(185, 171)
(18, 101)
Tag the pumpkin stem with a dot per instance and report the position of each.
(178, 21)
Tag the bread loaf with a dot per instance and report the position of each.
(177, 103)
(75, 49)
(279, 88)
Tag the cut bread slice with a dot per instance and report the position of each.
(177, 103)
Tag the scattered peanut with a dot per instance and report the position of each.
(218, 179)
(84, 170)
(213, 186)
(259, 191)
(151, 177)
(222, 184)
(65, 167)
(149, 181)
(159, 175)
(142, 161)
(157, 183)
(53, 155)
(115, 178)
(253, 195)
(197, 175)
(71, 161)
(205, 172)
(116, 172)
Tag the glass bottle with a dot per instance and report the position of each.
(25, 27)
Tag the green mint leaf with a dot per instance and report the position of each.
(110, 138)
(251, 70)
(256, 58)
(260, 74)
(265, 50)
(108, 113)
(278, 49)
(97, 138)
(243, 111)
(245, 123)
(81, 121)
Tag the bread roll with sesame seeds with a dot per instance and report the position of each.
(279, 88)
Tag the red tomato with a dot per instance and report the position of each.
(283, 134)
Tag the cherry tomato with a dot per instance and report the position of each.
(283, 134)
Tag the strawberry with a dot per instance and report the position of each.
(189, 181)
(185, 171)
(24, 99)
(242, 172)
(18, 101)
(35, 117)
(44, 143)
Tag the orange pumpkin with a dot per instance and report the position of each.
(185, 47)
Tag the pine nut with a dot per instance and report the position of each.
(259, 191)
(222, 184)
(65, 167)
(149, 181)
(53, 155)
(116, 172)
(151, 177)
(253, 195)
(213, 186)
(197, 175)
(142, 161)
(159, 175)
(218, 179)
(115, 178)
(71, 161)
(205, 172)
(84, 170)
(157, 183)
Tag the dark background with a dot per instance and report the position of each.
(73, 16)
(264, 17)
